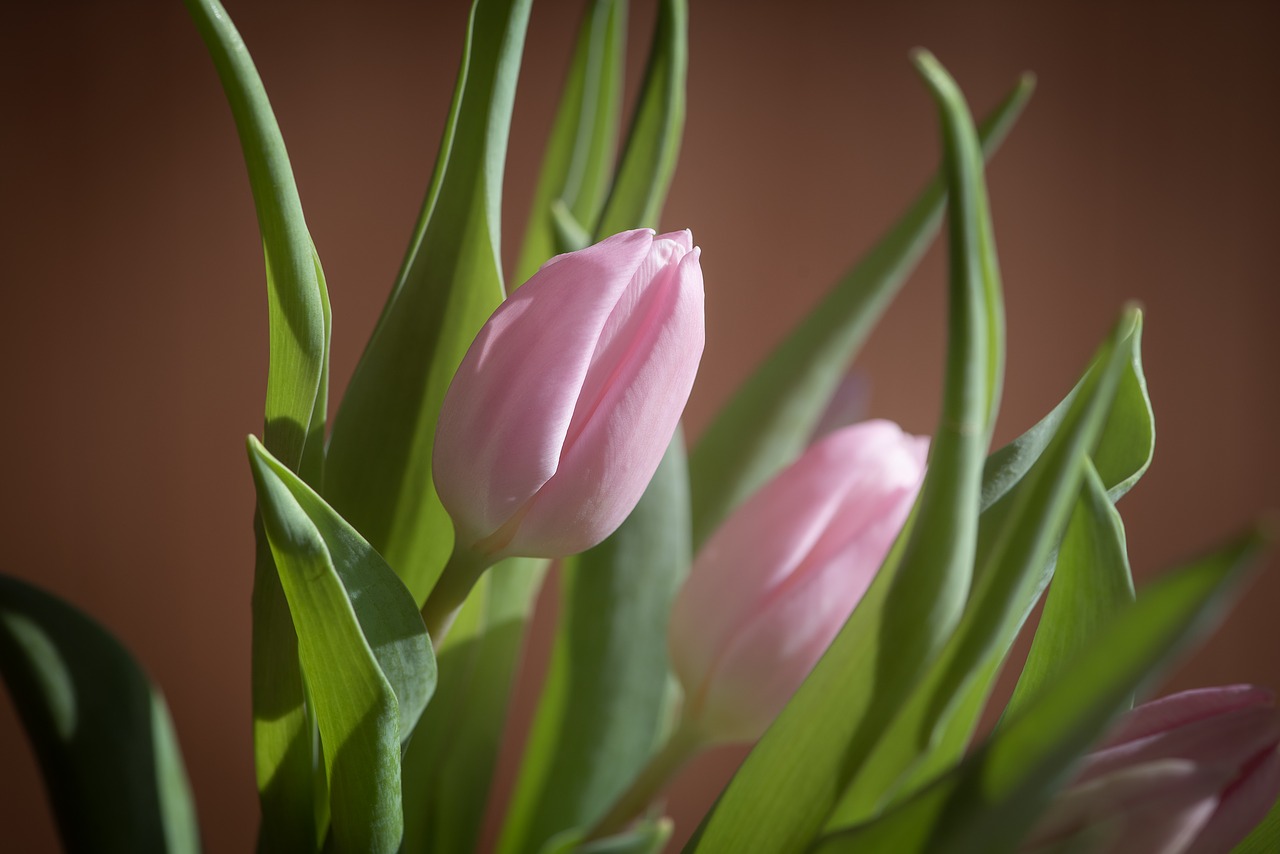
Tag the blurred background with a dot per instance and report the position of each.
(132, 310)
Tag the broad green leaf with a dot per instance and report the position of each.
(578, 162)
(365, 654)
(1091, 581)
(449, 765)
(647, 837)
(102, 733)
(769, 419)
(793, 779)
(603, 705)
(1265, 838)
(1015, 541)
(607, 695)
(653, 141)
(378, 468)
(991, 800)
(297, 395)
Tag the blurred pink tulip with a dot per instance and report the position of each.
(1192, 772)
(775, 583)
(567, 399)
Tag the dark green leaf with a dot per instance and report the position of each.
(102, 733)
(647, 837)
(364, 650)
(790, 783)
(991, 800)
(770, 418)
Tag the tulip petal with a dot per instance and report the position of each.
(1245, 803)
(1175, 710)
(505, 416)
(630, 402)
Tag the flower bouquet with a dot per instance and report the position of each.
(839, 594)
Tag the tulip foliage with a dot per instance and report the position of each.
(842, 596)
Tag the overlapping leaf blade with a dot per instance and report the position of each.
(793, 779)
(1017, 535)
(364, 650)
(578, 165)
(990, 801)
(378, 469)
(101, 731)
(767, 422)
(297, 395)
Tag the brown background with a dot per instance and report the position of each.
(132, 331)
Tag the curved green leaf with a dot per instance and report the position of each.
(578, 163)
(1091, 582)
(769, 419)
(297, 398)
(793, 779)
(364, 650)
(102, 732)
(646, 837)
(378, 468)
(991, 800)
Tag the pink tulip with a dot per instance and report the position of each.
(567, 399)
(1192, 772)
(775, 583)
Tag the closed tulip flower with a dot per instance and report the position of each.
(562, 408)
(1191, 773)
(773, 586)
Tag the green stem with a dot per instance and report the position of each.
(460, 574)
(685, 743)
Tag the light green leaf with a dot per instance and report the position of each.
(1091, 582)
(378, 470)
(991, 800)
(364, 650)
(101, 731)
(769, 419)
(646, 837)
(1016, 538)
(793, 779)
(578, 162)
(297, 395)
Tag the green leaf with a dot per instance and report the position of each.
(653, 142)
(449, 766)
(646, 837)
(578, 162)
(297, 397)
(1016, 538)
(101, 731)
(378, 470)
(769, 419)
(365, 654)
(1091, 582)
(991, 800)
(604, 702)
(793, 779)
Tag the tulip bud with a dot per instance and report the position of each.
(773, 586)
(563, 406)
(1193, 772)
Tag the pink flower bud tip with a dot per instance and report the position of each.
(1191, 773)
(563, 406)
(773, 586)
